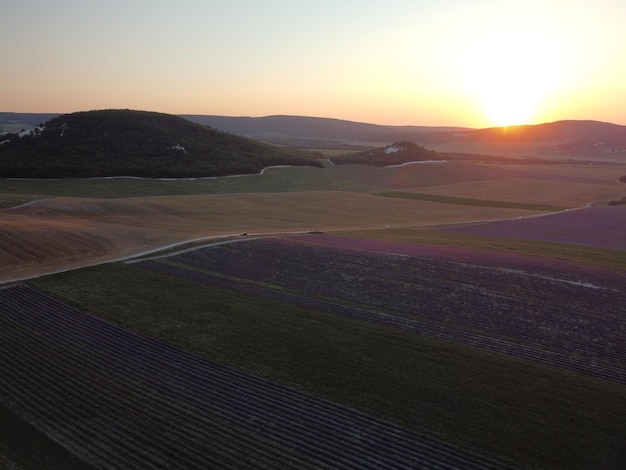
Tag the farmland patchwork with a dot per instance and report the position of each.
(322, 351)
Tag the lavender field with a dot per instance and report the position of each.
(598, 226)
(557, 313)
(322, 351)
(121, 400)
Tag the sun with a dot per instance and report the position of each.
(510, 103)
(510, 71)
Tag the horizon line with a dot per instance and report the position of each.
(318, 117)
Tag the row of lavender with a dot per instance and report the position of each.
(569, 315)
(120, 400)
(564, 358)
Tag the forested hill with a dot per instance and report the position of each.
(136, 143)
(395, 154)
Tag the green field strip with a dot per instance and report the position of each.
(464, 201)
(292, 179)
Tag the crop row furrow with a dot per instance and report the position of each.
(477, 309)
(109, 348)
(35, 410)
(151, 433)
(576, 360)
(294, 414)
(181, 364)
(385, 281)
(326, 266)
(145, 396)
(47, 392)
(117, 405)
(427, 296)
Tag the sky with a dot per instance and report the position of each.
(472, 63)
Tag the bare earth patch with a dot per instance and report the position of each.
(531, 191)
(559, 185)
(65, 233)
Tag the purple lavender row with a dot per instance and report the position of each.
(501, 300)
(151, 403)
(574, 361)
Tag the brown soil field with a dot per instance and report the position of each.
(531, 191)
(540, 149)
(416, 177)
(559, 185)
(64, 233)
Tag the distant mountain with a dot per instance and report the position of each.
(592, 132)
(316, 132)
(16, 122)
(561, 137)
(136, 143)
(566, 137)
(571, 137)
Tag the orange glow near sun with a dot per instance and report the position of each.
(511, 71)
(508, 105)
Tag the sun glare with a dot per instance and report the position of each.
(510, 69)
(510, 105)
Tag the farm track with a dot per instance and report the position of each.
(120, 400)
(566, 357)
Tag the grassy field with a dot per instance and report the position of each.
(464, 201)
(272, 180)
(503, 182)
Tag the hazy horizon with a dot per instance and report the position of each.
(397, 62)
(315, 117)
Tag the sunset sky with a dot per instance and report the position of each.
(401, 62)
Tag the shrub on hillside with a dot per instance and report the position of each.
(395, 154)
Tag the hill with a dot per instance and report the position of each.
(135, 143)
(568, 137)
(316, 132)
(584, 132)
(396, 154)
